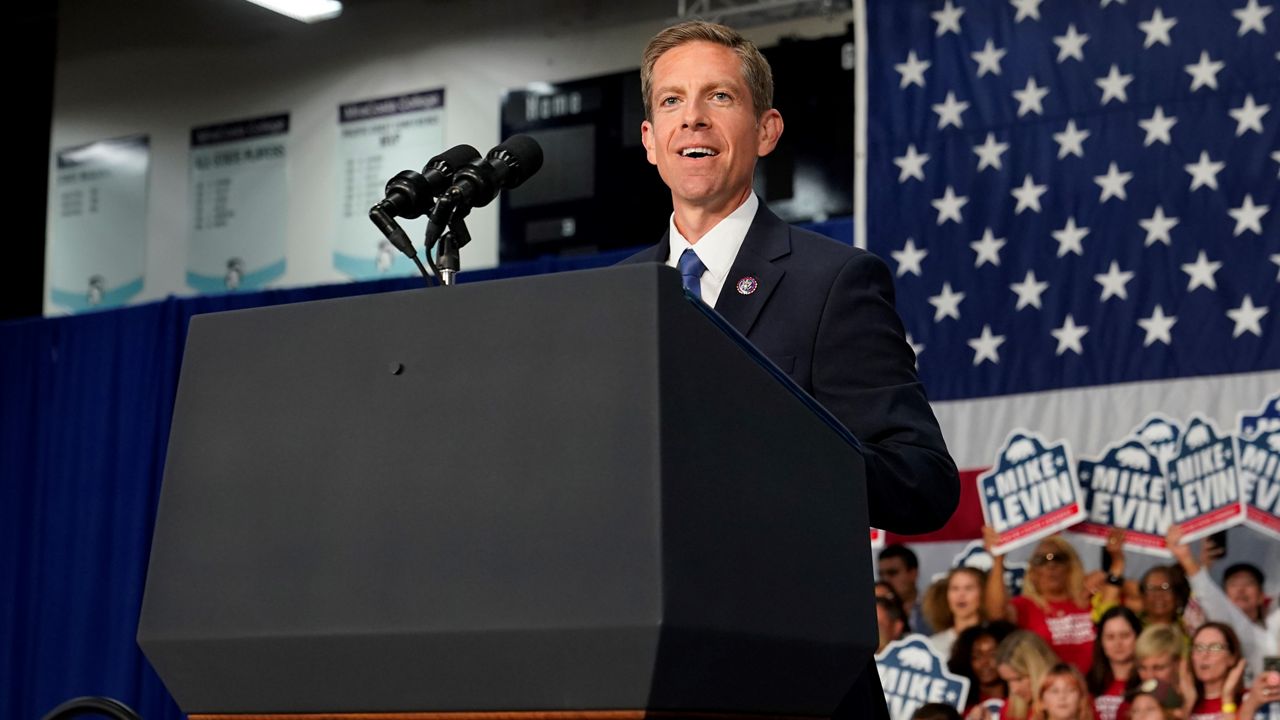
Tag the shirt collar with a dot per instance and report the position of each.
(719, 246)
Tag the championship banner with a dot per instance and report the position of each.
(975, 555)
(98, 239)
(1126, 489)
(1031, 492)
(912, 674)
(376, 139)
(239, 199)
(1204, 489)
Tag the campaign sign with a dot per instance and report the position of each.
(994, 707)
(975, 555)
(1258, 463)
(1126, 489)
(877, 538)
(1161, 435)
(1031, 492)
(1204, 489)
(1266, 420)
(913, 674)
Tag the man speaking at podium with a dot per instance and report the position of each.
(820, 310)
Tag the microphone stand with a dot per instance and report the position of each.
(448, 258)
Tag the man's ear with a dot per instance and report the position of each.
(649, 141)
(769, 132)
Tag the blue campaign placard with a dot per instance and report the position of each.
(1265, 420)
(1258, 461)
(975, 555)
(912, 673)
(1161, 434)
(1126, 488)
(1204, 487)
(1031, 492)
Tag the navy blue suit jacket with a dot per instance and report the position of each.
(824, 313)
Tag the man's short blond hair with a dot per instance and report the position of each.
(755, 69)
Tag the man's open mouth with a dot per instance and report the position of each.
(698, 152)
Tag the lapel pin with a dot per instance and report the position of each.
(748, 285)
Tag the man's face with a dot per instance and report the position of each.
(889, 628)
(894, 571)
(701, 102)
(1162, 667)
(1245, 594)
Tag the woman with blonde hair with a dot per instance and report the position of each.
(1062, 695)
(955, 606)
(1022, 660)
(1054, 603)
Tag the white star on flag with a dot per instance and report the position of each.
(1205, 72)
(1113, 282)
(1157, 127)
(1251, 18)
(1029, 291)
(1030, 98)
(916, 348)
(986, 346)
(949, 111)
(909, 257)
(989, 153)
(1114, 85)
(1248, 217)
(1249, 116)
(1247, 317)
(1204, 173)
(911, 165)
(1276, 157)
(1157, 29)
(946, 303)
(1112, 184)
(1201, 272)
(948, 206)
(1158, 227)
(912, 71)
(1157, 327)
(1069, 238)
(1276, 259)
(988, 249)
(989, 58)
(948, 19)
(1071, 45)
(1026, 9)
(1069, 336)
(1071, 141)
(1028, 196)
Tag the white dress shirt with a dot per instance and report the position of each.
(718, 248)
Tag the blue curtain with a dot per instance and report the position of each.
(85, 406)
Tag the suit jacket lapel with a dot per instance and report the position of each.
(767, 240)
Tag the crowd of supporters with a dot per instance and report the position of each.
(1172, 644)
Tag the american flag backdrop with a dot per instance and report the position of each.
(1080, 202)
(1077, 192)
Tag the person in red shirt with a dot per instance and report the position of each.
(1113, 669)
(1211, 690)
(1054, 603)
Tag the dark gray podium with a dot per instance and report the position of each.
(576, 495)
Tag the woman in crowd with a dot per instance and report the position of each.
(1062, 695)
(1022, 659)
(973, 656)
(1164, 595)
(1211, 689)
(1159, 652)
(1054, 603)
(957, 608)
(1153, 700)
(1112, 668)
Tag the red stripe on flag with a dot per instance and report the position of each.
(965, 522)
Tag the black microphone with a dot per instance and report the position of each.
(410, 194)
(476, 183)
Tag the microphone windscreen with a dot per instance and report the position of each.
(453, 158)
(524, 156)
